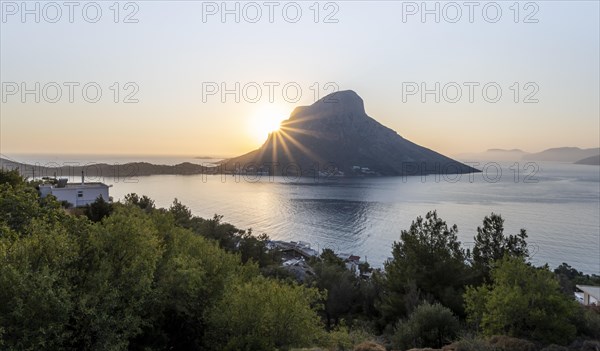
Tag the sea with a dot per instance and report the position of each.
(557, 203)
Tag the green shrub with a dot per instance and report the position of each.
(588, 322)
(428, 326)
(342, 338)
(523, 302)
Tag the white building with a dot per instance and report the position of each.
(589, 295)
(77, 194)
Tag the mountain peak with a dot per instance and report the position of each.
(335, 132)
(337, 103)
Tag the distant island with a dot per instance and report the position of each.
(103, 170)
(208, 158)
(558, 154)
(592, 161)
(335, 135)
(563, 154)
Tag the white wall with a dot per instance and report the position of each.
(90, 194)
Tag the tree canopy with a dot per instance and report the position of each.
(522, 301)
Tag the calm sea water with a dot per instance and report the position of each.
(559, 207)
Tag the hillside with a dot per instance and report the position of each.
(335, 133)
(592, 161)
(563, 154)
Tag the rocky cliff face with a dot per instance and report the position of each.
(335, 133)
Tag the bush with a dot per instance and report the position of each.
(428, 326)
(341, 338)
(369, 346)
(555, 347)
(470, 344)
(588, 322)
(264, 314)
(590, 345)
(507, 343)
(523, 302)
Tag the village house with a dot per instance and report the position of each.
(77, 194)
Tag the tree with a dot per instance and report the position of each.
(264, 314)
(11, 177)
(427, 326)
(569, 277)
(144, 202)
(491, 245)
(181, 213)
(189, 279)
(35, 290)
(428, 263)
(252, 248)
(98, 209)
(329, 257)
(342, 288)
(522, 301)
(114, 285)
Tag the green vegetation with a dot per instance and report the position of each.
(262, 314)
(431, 325)
(134, 279)
(428, 265)
(492, 245)
(523, 301)
(130, 276)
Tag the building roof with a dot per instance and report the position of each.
(80, 186)
(591, 290)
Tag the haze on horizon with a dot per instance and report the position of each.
(172, 53)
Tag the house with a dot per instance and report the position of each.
(77, 194)
(589, 295)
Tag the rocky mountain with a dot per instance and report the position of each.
(563, 154)
(335, 135)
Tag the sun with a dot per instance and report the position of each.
(265, 120)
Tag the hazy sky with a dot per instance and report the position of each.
(178, 50)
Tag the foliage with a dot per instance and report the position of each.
(427, 326)
(254, 248)
(344, 338)
(342, 287)
(11, 177)
(330, 258)
(135, 280)
(507, 343)
(190, 277)
(21, 204)
(491, 245)
(129, 276)
(587, 321)
(143, 202)
(114, 285)
(569, 277)
(98, 209)
(522, 301)
(36, 295)
(428, 263)
(263, 314)
(181, 213)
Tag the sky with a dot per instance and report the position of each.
(169, 73)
